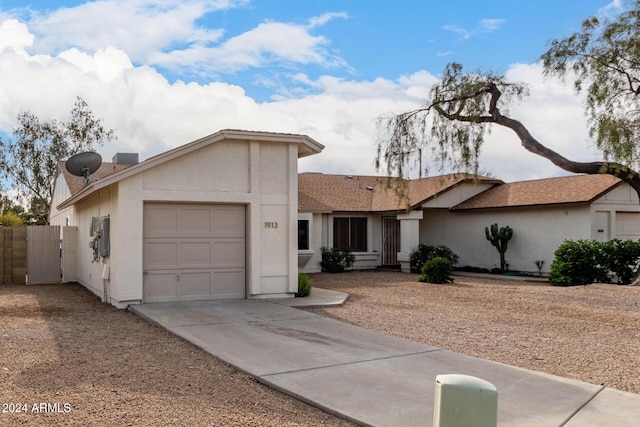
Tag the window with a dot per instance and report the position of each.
(350, 233)
(303, 234)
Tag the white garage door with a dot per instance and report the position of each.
(628, 225)
(193, 252)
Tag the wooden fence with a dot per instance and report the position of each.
(30, 254)
(13, 255)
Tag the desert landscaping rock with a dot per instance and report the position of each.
(94, 365)
(588, 333)
(91, 364)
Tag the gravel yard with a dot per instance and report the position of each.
(589, 333)
(95, 365)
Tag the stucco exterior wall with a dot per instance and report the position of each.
(60, 194)
(537, 233)
(259, 175)
(89, 272)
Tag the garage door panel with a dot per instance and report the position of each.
(227, 284)
(194, 284)
(195, 221)
(160, 221)
(194, 251)
(228, 221)
(160, 287)
(195, 254)
(158, 254)
(228, 253)
(628, 225)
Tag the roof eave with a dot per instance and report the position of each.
(537, 205)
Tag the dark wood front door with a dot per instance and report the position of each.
(390, 240)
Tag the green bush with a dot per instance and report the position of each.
(577, 263)
(304, 285)
(336, 260)
(425, 253)
(583, 262)
(621, 259)
(437, 270)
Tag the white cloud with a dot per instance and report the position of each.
(166, 34)
(108, 64)
(612, 9)
(318, 21)
(462, 32)
(135, 26)
(488, 25)
(268, 43)
(151, 114)
(15, 35)
(483, 26)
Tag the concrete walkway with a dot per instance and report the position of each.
(371, 378)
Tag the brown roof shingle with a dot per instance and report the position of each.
(346, 193)
(549, 191)
(76, 183)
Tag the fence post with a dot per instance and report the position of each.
(463, 400)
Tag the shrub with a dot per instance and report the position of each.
(587, 261)
(425, 253)
(336, 260)
(621, 258)
(437, 270)
(578, 262)
(304, 285)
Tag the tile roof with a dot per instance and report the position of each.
(76, 183)
(550, 191)
(319, 192)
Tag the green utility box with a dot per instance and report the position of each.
(462, 401)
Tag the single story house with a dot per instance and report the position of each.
(215, 218)
(363, 213)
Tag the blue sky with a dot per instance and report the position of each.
(163, 72)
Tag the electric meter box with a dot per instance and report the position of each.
(463, 400)
(103, 232)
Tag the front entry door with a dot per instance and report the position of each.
(390, 240)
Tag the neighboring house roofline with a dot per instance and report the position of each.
(456, 180)
(374, 194)
(306, 147)
(547, 192)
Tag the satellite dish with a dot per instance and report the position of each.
(84, 164)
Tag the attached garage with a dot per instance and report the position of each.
(212, 219)
(628, 225)
(193, 252)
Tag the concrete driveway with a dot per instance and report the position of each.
(372, 378)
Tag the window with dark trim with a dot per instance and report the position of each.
(350, 233)
(303, 234)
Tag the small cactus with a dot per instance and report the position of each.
(499, 237)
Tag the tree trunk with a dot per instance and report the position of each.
(534, 146)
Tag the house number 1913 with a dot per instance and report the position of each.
(271, 224)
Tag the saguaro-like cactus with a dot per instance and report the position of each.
(499, 237)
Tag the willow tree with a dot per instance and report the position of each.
(602, 59)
